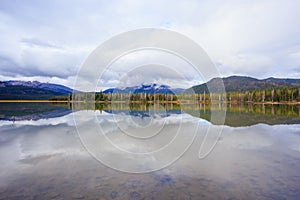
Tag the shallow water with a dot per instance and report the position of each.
(45, 158)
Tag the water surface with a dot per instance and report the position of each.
(256, 157)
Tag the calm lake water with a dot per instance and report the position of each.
(42, 156)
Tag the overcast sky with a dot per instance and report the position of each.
(49, 40)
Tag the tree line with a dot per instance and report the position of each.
(266, 95)
(100, 96)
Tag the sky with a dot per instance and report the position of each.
(49, 41)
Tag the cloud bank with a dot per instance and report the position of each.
(49, 40)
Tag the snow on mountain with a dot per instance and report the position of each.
(146, 88)
(35, 84)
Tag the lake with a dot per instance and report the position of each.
(145, 151)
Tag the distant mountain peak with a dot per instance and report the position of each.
(15, 89)
(150, 88)
(245, 83)
(37, 84)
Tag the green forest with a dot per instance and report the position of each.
(283, 95)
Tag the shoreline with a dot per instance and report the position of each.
(173, 102)
(33, 101)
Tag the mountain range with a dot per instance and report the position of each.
(146, 88)
(243, 83)
(34, 90)
(31, 90)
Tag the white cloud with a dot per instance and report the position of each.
(150, 66)
(251, 65)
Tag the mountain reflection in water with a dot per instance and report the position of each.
(257, 156)
(236, 115)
